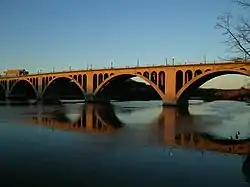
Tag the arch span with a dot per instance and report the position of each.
(199, 80)
(23, 88)
(123, 78)
(61, 85)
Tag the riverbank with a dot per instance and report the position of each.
(211, 94)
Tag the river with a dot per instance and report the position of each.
(126, 144)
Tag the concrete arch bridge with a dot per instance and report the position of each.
(173, 83)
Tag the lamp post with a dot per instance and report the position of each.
(39, 71)
(205, 59)
(173, 60)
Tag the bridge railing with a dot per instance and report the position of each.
(138, 66)
(92, 67)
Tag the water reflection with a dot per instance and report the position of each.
(109, 144)
(89, 119)
(246, 169)
(171, 128)
(223, 119)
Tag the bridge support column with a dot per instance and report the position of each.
(38, 98)
(170, 102)
(170, 98)
(173, 102)
(39, 88)
(89, 87)
(6, 94)
(170, 89)
(47, 100)
(90, 98)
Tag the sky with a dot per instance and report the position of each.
(58, 34)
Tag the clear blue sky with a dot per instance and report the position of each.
(62, 33)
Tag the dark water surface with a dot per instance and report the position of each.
(128, 144)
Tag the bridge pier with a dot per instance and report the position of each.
(46, 100)
(174, 102)
(169, 103)
(90, 98)
(179, 104)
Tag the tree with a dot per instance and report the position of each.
(238, 32)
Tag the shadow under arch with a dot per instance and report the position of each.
(64, 80)
(183, 94)
(60, 116)
(120, 78)
(23, 88)
(107, 114)
(2, 91)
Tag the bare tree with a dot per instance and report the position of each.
(238, 33)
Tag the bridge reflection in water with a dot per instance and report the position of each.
(171, 128)
(90, 119)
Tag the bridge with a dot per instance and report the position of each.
(173, 83)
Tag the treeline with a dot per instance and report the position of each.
(132, 90)
(209, 94)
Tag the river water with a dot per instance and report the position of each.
(126, 144)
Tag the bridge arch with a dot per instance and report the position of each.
(199, 80)
(62, 79)
(125, 77)
(25, 88)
